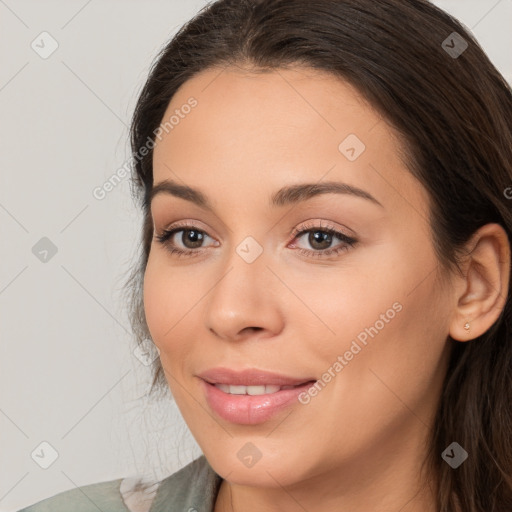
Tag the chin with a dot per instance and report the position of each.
(272, 470)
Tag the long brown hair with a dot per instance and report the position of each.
(453, 110)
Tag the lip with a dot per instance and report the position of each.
(250, 409)
(250, 377)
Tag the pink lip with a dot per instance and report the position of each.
(250, 409)
(250, 377)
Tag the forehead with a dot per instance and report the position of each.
(296, 105)
(285, 125)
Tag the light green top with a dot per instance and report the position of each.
(193, 488)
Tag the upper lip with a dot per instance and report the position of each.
(250, 377)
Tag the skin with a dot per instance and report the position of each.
(358, 444)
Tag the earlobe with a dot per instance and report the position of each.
(485, 284)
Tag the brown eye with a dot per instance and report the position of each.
(320, 240)
(190, 242)
(192, 237)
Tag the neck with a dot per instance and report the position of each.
(378, 480)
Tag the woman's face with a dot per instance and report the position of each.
(361, 311)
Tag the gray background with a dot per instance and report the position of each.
(68, 373)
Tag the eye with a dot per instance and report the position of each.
(191, 239)
(321, 238)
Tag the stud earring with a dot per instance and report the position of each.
(466, 326)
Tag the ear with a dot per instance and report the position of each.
(482, 291)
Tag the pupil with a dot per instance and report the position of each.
(320, 237)
(194, 237)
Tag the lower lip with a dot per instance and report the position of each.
(250, 409)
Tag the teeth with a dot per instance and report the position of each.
(251, 390)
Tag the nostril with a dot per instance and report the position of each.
(255, 329)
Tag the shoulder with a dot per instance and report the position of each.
(104, 496)
(194, 486)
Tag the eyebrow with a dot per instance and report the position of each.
(291, 194)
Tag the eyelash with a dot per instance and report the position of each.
(349, 242)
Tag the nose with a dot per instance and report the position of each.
(245, 300)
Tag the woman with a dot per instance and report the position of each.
(325, 264)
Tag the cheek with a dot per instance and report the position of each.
(169, 305)
(393, 343)
(385, 312)
(167, 301)
(155, 301)
(338, 304)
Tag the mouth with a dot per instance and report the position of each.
(256, 390)
(251, 405)
(238, 380)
